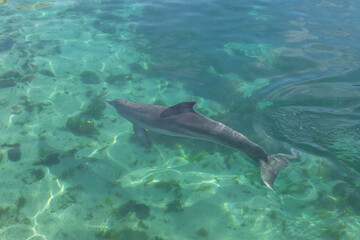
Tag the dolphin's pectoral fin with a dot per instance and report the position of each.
(182, 107)
(141, 134)
(270, 170)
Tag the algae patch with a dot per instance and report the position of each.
(95, 109)
(170, 186)
(82, 123)
(196, 157)
(141, 211)
(174, 206)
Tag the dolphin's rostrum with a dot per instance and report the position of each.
(182, 120)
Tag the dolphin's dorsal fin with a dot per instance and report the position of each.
(182, 107)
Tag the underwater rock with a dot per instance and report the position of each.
(141, 210)
(89, 77)
(81, 126)
(14, 154)
(38, 174)
(49, 160)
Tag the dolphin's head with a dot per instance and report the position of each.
(121, 104)
(118, 102)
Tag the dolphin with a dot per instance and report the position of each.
(182, 120)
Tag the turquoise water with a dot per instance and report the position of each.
(286, 74)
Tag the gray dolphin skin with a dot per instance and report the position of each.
(182, 120)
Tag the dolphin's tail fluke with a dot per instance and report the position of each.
(270, 169)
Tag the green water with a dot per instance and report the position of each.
(285, 74)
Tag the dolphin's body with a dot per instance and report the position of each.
(182, 120)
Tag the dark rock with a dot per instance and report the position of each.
(14, 154)
(126, 208)
(49, 160)
(89, 77)
(141, 210)
(38, 174)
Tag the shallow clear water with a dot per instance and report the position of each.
(285, 74)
